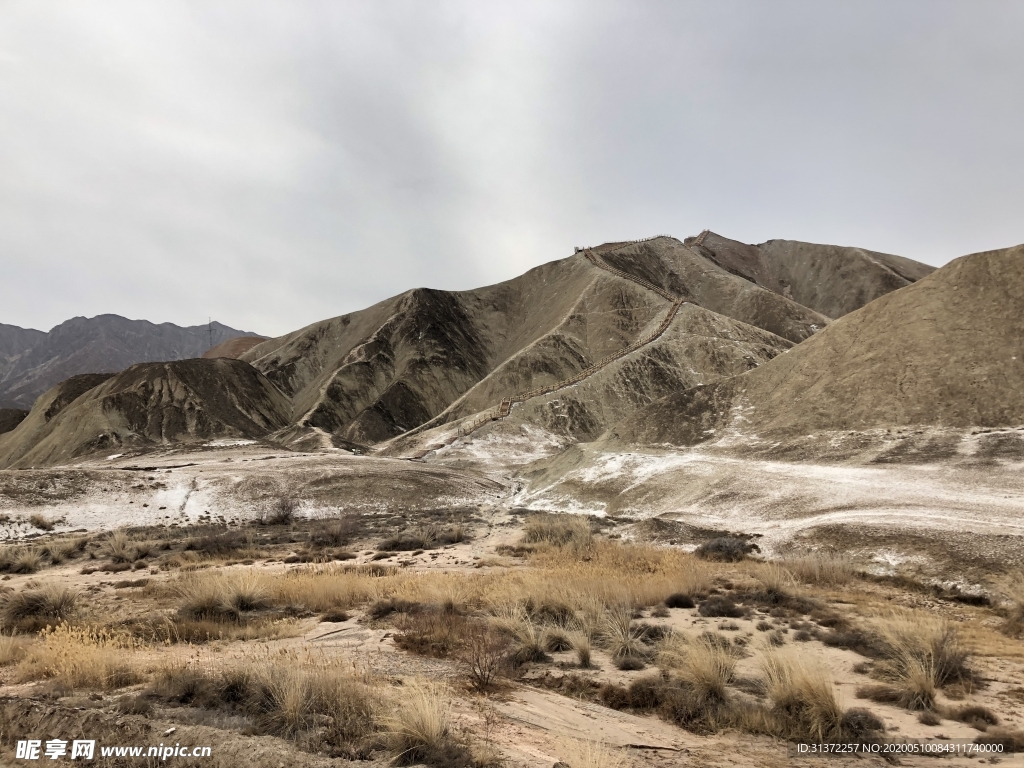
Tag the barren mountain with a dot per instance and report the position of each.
(149, 404)
(14, 341)
(947, 351)
(32, 362)
(829, 279)
(436, 356)
(624, 323)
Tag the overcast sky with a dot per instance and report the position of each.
(276, 163)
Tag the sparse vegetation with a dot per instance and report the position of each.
(558, 530)
(486, 626)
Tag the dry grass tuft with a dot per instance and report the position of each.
(577, 753)
(122, 548)
(36, 607)
(12, 649)
(804, 705)
(82, 657)
(20, 559)
(1011, 590)
(42, 522)
(223, 596)
(621, 637)
(419, 730)
(821, 568)
(922, 655)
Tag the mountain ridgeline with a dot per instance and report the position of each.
(661, 341)
(32, 362)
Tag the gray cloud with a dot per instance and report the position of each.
(274, 164)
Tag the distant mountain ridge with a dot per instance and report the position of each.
(31, 361)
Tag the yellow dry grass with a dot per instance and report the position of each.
(804, 700)
(821, 568)
(609, 575)
(82, 657)
(589, 754)
(420, 724)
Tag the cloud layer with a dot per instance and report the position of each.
(277, 163)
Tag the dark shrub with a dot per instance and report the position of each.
(335, 615)
(383, 608)
(679, 600)
(336, 533)
(859, 723)
(717, 606)
(976, 716)
(726, 549)
(281, 512)
(225, 543)
(486, 655)
(629, 663)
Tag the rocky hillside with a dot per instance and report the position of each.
(947, 351)
(150, 404)
(31, 362)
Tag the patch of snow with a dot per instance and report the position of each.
(113, 456)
